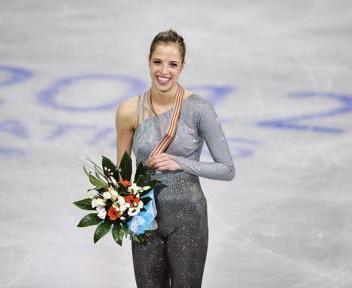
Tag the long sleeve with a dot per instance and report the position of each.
(209, 127)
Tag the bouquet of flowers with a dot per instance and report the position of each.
(124, 207)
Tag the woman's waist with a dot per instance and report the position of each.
(173, 176)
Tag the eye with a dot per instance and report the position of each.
(174, 65)
(156, 61)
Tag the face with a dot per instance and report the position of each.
(165, 66)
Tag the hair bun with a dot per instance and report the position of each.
(169, 36)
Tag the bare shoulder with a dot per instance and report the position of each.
(127, 113)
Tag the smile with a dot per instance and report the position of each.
(162, 80)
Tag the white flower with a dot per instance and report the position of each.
(113, 193)
(98, 202)
(113, 181)
(135, 210)
(92, 194)
(102, 212)
(121, 200)
(146, 188)
(134, 188)
(120, 204)
(107, 195)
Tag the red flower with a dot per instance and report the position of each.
(113, 213)
(132, 200)
(125, 182)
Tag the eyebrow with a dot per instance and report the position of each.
(172, 61)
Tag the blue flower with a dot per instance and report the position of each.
(144, 220)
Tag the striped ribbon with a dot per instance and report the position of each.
(170, 134)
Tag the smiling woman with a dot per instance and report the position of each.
(166, 126)
(166, 62)
(165, 67)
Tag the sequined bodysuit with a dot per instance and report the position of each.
(177, 251)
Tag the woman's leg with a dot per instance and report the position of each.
(150, 263)
(187, 249)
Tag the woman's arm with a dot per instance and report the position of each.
(209, 127)
(125, 123)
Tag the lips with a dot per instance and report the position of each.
(162, 80)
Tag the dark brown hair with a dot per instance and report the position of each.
(169, 36)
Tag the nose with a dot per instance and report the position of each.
(164, 69)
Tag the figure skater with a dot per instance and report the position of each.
(166, 127)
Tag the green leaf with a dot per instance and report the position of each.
(141, 180)
(136, 239)
(142, 193)
(125, 229)
(108, 164)
(89, 220)
(140, 171)
(85, 204)
(161, 186)
(96, 166)
(152, 183)
(97, 182)
(102, 229)
(118, 232)
(97, 174)
(145, 200)
(85, 171)
(126, 166)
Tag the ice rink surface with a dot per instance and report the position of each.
(278, 74)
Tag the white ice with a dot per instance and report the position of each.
(278, 73)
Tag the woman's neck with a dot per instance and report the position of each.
(164, 98)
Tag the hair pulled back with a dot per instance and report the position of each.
(169, 36)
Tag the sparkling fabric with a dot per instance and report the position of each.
(176, 255)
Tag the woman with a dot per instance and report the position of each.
(166, 127)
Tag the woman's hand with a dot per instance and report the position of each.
(162, 162)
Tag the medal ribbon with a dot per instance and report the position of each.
(171, 132)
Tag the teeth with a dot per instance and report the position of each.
(162, 79)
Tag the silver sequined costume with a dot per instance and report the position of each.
(179, 246)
